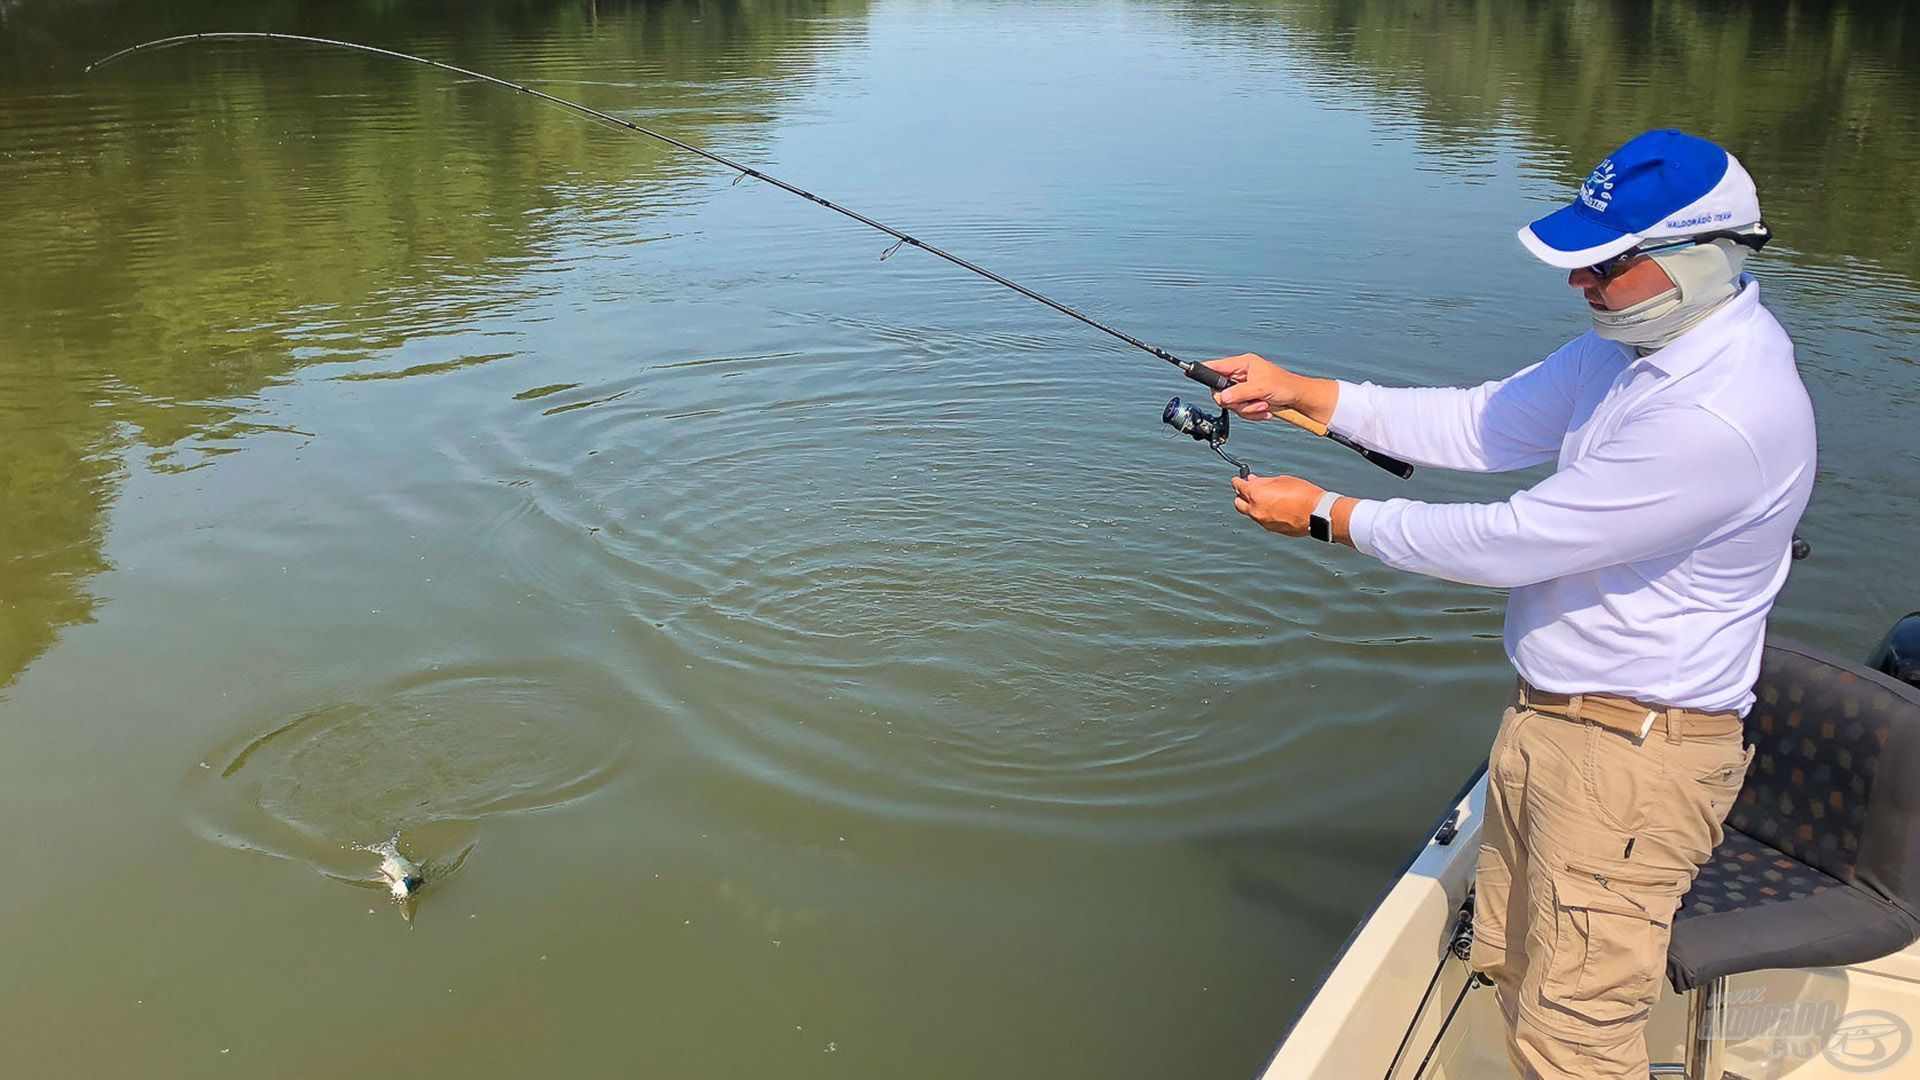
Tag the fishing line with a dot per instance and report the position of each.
(1213, 433)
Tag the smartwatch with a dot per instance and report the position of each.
(1320, 525)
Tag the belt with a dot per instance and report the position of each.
(1631, 717)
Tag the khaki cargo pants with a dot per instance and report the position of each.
(1593, 834)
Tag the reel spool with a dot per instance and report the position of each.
(1201, 426)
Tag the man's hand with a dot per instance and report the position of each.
(1284, 504)
(1261, 386)
(1279, 504)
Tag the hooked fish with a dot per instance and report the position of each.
(399, 874)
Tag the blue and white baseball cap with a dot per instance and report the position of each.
(1661, 184)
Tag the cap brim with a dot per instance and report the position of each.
(1568, 239)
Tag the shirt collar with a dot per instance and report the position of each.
(1700, 344)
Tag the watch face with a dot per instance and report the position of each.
(1320, 528)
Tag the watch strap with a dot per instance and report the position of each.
(1320, 524)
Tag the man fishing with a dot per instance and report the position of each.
(1640, 574)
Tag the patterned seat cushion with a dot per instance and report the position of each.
(1746, 873)
(1819, 865)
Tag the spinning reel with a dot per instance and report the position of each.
(1201, 426)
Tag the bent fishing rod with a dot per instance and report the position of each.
(1182, 417)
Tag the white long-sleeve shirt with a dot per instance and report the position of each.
(1647, 563)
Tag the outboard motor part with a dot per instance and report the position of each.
(1899, 652)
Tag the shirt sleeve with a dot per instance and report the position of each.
(1497, 426)
(1665, 482)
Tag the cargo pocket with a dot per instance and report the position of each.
(1610, 940)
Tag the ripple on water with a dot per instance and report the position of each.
(428, 758)
(867, 606)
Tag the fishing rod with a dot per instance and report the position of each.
(1181, 416)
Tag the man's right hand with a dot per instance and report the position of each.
(1262, 386)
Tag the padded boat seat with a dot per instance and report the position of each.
(1820, 865)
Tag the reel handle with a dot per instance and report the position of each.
(1213, 380)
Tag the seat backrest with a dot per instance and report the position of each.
(1835, 780)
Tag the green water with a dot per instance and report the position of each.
(828, 667)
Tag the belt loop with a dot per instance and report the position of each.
(1573, 706)
(1673, 727)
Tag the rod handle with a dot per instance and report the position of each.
(1205, 375)
(1388, 462)
(1214, 380)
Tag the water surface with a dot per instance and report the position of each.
(831, 665)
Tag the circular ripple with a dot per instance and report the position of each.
(954, 613)
(426, 760)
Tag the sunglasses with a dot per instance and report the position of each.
(1755, 237)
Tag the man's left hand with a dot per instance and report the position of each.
(1279, 504)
